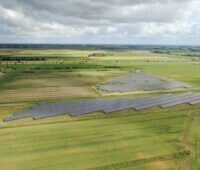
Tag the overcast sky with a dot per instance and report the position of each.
(100, 21)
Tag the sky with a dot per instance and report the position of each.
(166, 22)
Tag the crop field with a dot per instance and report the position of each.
(137, 56)
(151, 139)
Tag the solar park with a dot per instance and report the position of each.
(122, 84)
(94, 109)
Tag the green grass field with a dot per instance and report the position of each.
(153, 139)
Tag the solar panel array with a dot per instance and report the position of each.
(77, 108)
(140, 81)
(137, 77)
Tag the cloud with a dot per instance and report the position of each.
(99, 19)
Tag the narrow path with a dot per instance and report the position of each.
(139, 162)
(186, 162)
(187, 128)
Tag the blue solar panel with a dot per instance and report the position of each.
(140, 81)
(152, 103)
(177, 100)
(77, 108)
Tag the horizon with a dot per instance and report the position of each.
(105, 44)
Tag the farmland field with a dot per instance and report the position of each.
(152, 139)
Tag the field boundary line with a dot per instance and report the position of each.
(132, 163)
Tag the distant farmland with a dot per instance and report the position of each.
(152, 139)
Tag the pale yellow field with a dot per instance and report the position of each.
(101, 74)
(54, 86)
(138, 55)
(29, 94)
(162, 165)
(158, 58)
(49, 53)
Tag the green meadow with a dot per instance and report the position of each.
(152, 139)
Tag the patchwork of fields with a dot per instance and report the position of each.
(152, 139)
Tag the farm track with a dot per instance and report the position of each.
(128, 164)
(187, 161)
(187, 128)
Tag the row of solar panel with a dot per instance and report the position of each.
(140, 81)
(137, 77)
(77, 108)
(142, 86)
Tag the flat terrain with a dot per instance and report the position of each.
(152, 139)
